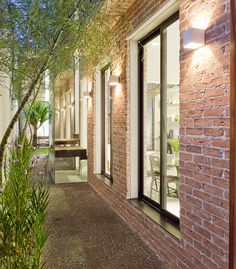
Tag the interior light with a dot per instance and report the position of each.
(194, 38)
(155, 44)
(114, 80)
(87, 94)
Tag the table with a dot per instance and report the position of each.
(72, 151)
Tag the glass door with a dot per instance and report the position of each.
(106, 99)
(159, 118)
(151, 119)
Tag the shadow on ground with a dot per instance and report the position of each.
(87, 234)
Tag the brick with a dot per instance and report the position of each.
(220, 212)
(213, 190)
(202, 195)
(204, 141)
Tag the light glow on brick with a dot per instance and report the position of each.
(87, 94)
(193, 45)
(114, 80)
(202, 20)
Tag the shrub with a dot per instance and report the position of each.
(23, 206)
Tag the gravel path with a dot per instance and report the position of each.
(87, 234)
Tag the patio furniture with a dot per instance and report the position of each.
(155, 172)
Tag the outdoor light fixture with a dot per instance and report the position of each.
(87, 94)
(194, 38)
(71, 104)
(114, 80)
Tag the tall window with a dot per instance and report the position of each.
(159, 118)
(68, 114)
(106, 98)
(62, 117)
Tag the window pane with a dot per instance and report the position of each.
(171, 131)
(108, 111)
(151, 120)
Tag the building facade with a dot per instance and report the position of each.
(159, 129)
(5, 104)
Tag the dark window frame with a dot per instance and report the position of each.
(156, 32)
(103, 124)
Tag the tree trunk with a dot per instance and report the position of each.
(31, 134)
(35, 136)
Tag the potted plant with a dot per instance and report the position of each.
(175, 148)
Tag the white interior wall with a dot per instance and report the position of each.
(153, 56)
(173, 48)
(5, 106)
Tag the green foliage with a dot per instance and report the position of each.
(39, 112)
(40, 35)
(37, 36)
(23, 206)
(36, 114)
(174, 144)
(42, 151)
(101, 40)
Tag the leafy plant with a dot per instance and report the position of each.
(101, 41)
(175, 145)
(38, 113)
(23, 206)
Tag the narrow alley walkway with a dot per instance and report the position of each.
(87, 234)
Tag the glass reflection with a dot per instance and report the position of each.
(151, 119)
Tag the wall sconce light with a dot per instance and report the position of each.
(114, 80)
(87, 94)
(71, 104)
(194, 38)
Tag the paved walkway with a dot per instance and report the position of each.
(87, 234)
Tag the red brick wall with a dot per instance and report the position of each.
(204, 165)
